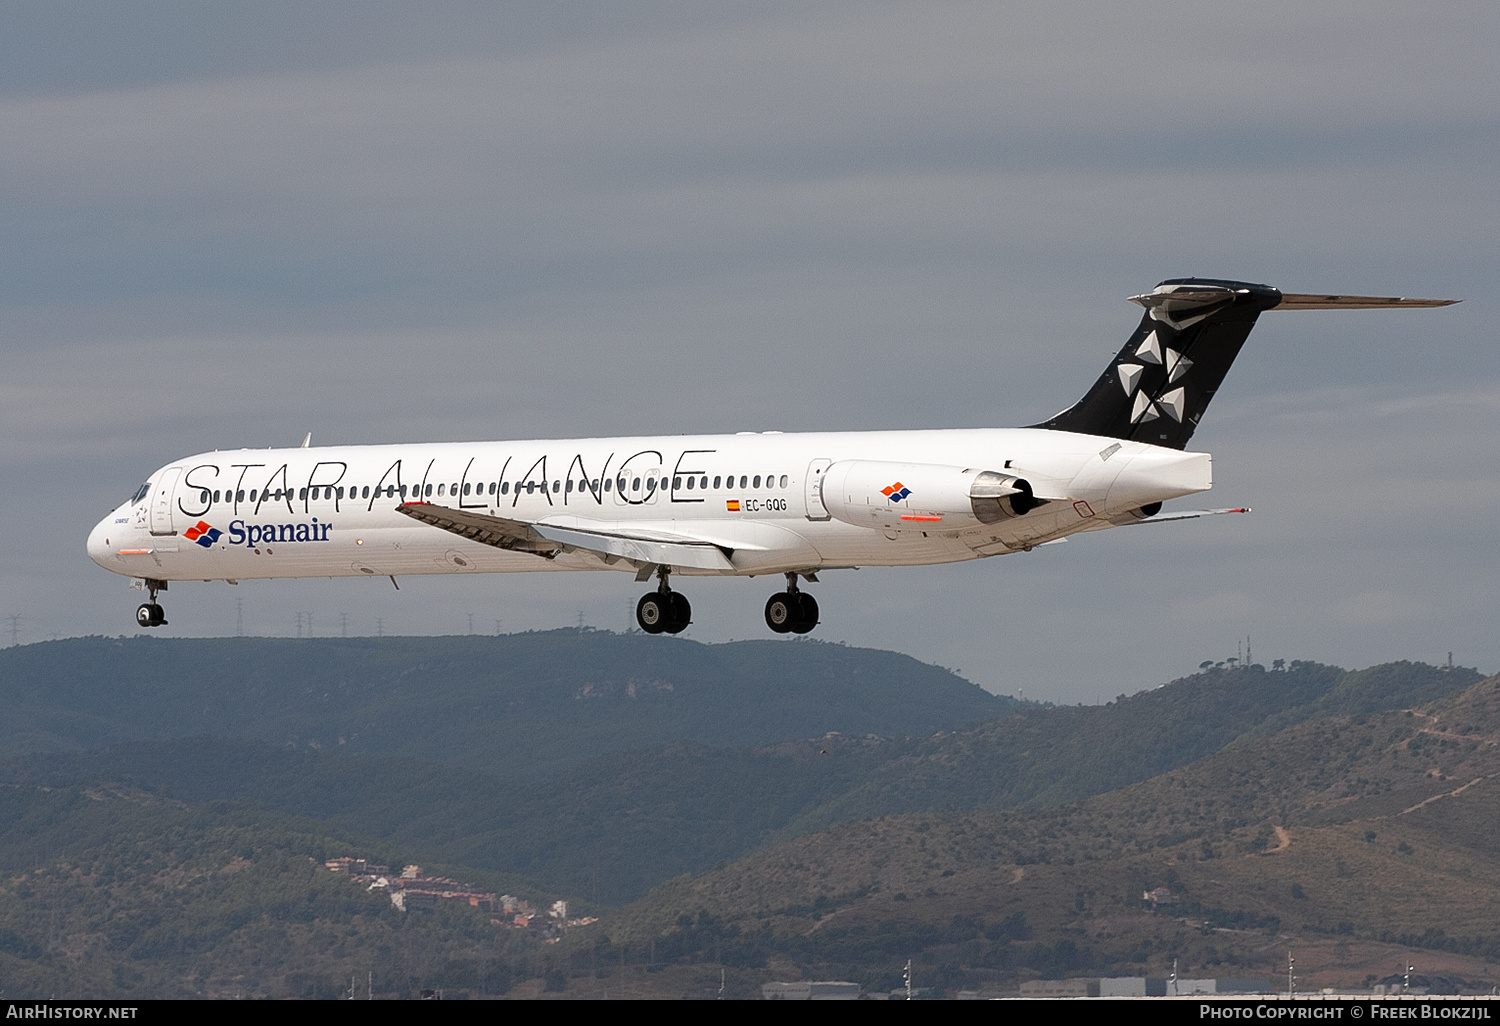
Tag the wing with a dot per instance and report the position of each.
(639, 548)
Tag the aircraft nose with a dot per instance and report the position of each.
(99, 541)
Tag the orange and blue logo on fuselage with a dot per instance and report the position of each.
(896, 492)
(203, 534)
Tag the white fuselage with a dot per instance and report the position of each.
(333, 511)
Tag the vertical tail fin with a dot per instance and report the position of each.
(1156, 390)
(1158, 386)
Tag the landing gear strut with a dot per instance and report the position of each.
(149, 614)
(791, 611)
(663, 609)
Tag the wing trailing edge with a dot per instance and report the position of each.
(636, 548)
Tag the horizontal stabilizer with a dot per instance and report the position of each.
(1187, 514)
(1309, 301)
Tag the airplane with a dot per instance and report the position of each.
(735, 505)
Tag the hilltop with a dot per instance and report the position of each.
(519, 706)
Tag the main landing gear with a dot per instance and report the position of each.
(149, 614)
(791, 611)
(663, 609)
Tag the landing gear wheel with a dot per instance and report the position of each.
(149, 614)
(781, 611)
(653, 612)
(807, 616)
(681, 613)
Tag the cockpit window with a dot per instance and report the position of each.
(140, 493)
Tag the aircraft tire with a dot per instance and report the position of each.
(149, 614)
(807, 614)
(781, 612)
(681, 613)
(652, 613)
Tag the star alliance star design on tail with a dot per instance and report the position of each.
(1172, 403)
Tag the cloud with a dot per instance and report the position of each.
(227, 228)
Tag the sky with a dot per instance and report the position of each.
(229, 225)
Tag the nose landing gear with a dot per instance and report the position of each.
(791, 611)
(149, 614)
(663, 609)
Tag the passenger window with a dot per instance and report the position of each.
(743, 479)
(607, 483)
(717, 479)
(556, 487)
(635, 485)
(504, 487)
(440, 489)
(239, 496)
(677, 481)
(690, 483)
(756, 482)
(783, 480)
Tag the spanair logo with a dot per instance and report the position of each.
(896, 492)
(202, 534)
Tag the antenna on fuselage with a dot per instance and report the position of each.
(306, 440)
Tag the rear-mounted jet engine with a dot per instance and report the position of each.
(893, 496)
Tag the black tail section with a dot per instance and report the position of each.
(1156, 390)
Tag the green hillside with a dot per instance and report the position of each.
(612, 827)
(1346, 837)
(1046, 756)
(1312, 807)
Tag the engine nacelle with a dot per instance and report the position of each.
(922, 496)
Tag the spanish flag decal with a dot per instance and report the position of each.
(732, 505)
